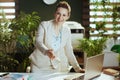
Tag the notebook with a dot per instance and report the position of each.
(93, 68)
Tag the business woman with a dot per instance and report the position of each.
(54, 51)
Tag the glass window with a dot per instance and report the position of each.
(8, 7)
(105, 11)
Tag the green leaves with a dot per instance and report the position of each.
(7, 63)
(17, 36)
(24, 28)
(92, 47)
(25, 23)
(5, 31)
(116, 48)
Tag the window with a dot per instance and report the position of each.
(105, 11)
(8, 7)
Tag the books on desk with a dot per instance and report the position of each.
(110, 71)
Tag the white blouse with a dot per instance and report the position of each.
(56, 41)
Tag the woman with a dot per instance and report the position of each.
(53, 50)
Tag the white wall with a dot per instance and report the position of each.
(110, 58)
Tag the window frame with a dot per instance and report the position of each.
(13, 8)
(101, 16)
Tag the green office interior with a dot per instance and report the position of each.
(19, 54)
(79, 11)
(46, 12)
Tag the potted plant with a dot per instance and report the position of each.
(92, 47)
(24, 28)
(17, 37)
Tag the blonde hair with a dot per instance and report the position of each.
(65, 5)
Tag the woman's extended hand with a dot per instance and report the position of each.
(82, 70)
(50, 54)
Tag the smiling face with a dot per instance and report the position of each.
(61, 15)
(62, 12)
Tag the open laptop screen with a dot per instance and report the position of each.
(93, 66)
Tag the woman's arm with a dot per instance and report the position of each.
(40, 38)
(70, 54)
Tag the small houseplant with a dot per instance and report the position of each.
(92, 47)
(17, 40)
(96, 46)
(24, 28)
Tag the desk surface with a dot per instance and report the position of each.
(104, 77)
(54, 76)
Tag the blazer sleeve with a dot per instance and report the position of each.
(40, 38)
(70, 54)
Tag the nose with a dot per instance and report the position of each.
(60, 17)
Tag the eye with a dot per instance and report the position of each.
(64, 15)
(57, 13)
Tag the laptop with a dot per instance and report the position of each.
(93, 69)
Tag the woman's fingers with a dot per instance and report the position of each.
(82, 71)
(50, 54)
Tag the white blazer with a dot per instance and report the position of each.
(39, 59)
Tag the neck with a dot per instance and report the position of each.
(57, 27)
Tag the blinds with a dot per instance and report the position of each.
(8, 7)
(104, 13)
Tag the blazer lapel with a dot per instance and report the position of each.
(62, 37)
